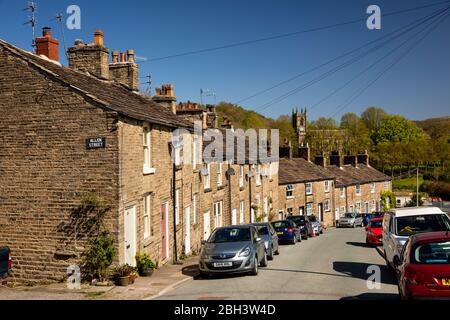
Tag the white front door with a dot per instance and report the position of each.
(234, 217)
(130, 236)
(187, 228)
(206, 225)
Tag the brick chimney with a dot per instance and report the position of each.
(363, 158)
(124, 71)
(320, 160)
(92, 58)
(165, 96)
(304, 152)
(47, 46)
(227, 124)
(350, 160)
(286, 150)
(336, 159)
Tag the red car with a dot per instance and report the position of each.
(424, 268)
(374, 232)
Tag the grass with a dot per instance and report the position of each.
(407, 184)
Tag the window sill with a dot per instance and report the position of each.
(241, 188)
(207, 190)
(290, 198)
(221, 187)
(148, 171)
(309, 194)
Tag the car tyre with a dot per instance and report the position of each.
(254, 271)
(270, 255)
(354, 225)
(204, 275)
(264, 262)
(277, 252)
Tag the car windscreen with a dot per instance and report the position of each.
(230, 235)
(406, 226)
(312, 218)
(281, 224)
(349, 215)
(376, 224)
(432, 253)
(299, 222)
(262, 230)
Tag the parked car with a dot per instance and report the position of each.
(270, 237)
(316, 224)
(367, 217)
(5, 263)
(400, 224)
(424, 267)
(374, 232)
(235, 249)
(304, 224)
(351, 220)
(287, 231)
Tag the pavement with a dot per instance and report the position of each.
(332, 266)
(162, 280)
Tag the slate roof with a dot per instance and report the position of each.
(349, 175)
(108, 94)
(299, 170)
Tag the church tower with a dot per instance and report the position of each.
(299, 122)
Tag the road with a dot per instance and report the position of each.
(330, 267)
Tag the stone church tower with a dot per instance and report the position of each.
(299, 122)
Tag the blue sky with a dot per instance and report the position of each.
(417, 87)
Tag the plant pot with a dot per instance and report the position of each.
(146, 272)
(132, 277)
(123, 281)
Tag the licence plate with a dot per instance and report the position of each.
(446, 282)
(223, 264)
(280, 233)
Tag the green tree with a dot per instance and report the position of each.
(324, 124)
(395, 128)
(372, 117)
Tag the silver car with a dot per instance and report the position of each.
(316, 224)
(269, 235)
(351, 220)
(234, 249)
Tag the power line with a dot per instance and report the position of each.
(340, 67)
(290, 34)
(367, 69)
(331, 61)
(390, 66)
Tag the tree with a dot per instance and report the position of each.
(349, 120)
(396, 128)
(324, 124)
(357, 136)
(372, 117)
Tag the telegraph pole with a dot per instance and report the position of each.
(417, 187)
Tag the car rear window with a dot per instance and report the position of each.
(432, 253)
(262, 230)
(376, 224)
(230, 235)
(281, 224)
(407, 226)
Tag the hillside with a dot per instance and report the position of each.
(436, 127)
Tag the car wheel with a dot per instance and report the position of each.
(254, 271)
(354, 225)
(270, 255)
(264, 262)
(294, 239)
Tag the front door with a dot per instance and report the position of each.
(320, 212)
(234, 217)
(164, 231)
(206, 225)
(130, 236)
(187, 228)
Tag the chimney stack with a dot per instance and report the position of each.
(123, 70)
(47, 46)
(320, 160)
(350, 160)
(90, 58)
(115, 56)
(286, 150)
(336, 159)
(363, 158)
(165, 96)
(304, 152)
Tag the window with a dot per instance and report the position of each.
(374, 205)
(290, 191)
(351, 209)
(147, 216)
(358, 189)
(327, 205)
(290, 211)
(177, 206)
(372, 187)
(218, 206)
(241, 176)
(219, 174)
(342, 210)
(207, 182)
(327, 186)
(309, 188)
(258, 175)
(358, 207)
(342, 192)
(194, 208)
(241, 212)
(309, 209)
(399, 202)
(146, 145)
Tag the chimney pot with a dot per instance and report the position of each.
(122, 57)
(98, 38)
(130, 54)
(115, 56)
(46, 32)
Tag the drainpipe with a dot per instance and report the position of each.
(250, 194)
(175, 248)
(230, 210)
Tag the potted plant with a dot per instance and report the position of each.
(134, 274)
(122, 274)
(145, 265)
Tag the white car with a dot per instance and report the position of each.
(400, 224)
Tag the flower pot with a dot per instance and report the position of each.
(123, 281)
(146, 272)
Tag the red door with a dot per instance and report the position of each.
(164, 229)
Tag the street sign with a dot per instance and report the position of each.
(95, 143)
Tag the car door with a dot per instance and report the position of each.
(274, 236)
(260, 247)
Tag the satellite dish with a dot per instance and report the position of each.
(250, 174)
(204, 172)
(231, 172)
